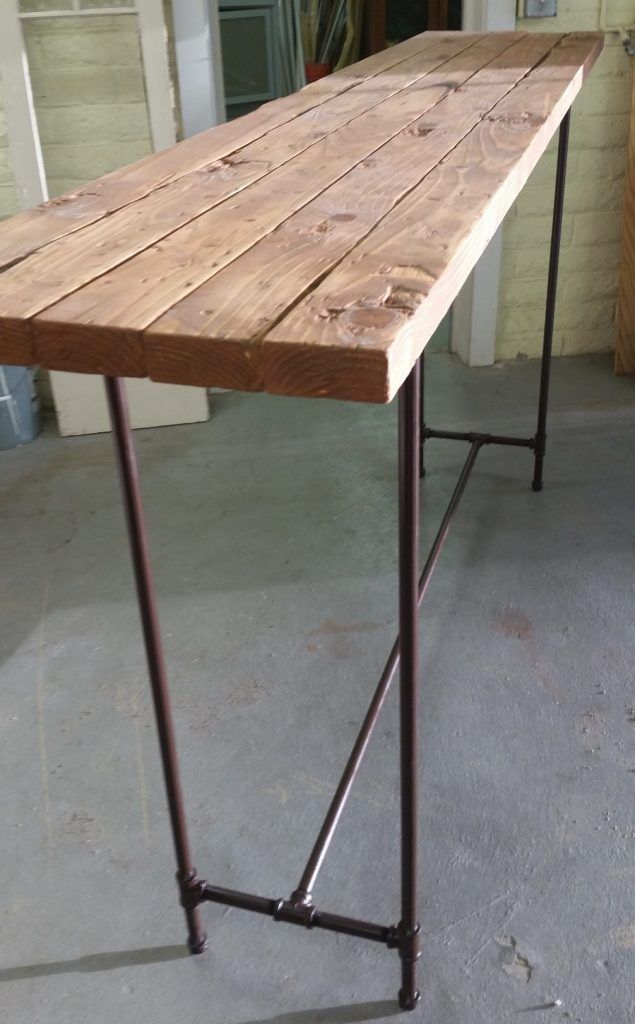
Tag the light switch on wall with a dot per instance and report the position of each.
(541, 8)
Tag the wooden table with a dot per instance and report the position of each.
(310, 248)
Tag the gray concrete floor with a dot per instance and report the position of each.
(273, 534)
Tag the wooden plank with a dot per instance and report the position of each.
(29, 231)
(375, 26)
(372, 230)
(211, 336)
(184, 260)
(25, 150)
(432, 14)
(438, 14)
(390, 295)
(577, 53)
(68, 263)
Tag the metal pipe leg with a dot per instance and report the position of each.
(422, 413)
(409, 455)
(552, 287)
(133, 506)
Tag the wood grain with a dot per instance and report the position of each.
(28, 231)
(44, 278)
(625, 326)
(311, 249)
(292, 259)
(397, 286)
(121, 300)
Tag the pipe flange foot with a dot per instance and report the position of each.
(409, 1000)
(197, 945)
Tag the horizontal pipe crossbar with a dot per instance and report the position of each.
(305, 915)
(300, 910)
(472, 436)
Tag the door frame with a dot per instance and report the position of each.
(489, 15)
(199, 64)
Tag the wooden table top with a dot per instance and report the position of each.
(310, 248)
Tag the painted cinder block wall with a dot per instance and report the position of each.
(89, 96)
(8, 191)
(593, 208)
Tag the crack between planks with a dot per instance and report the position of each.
(415, 82)
(255, 342)
(30, 322)
(170, 180)
(259, 339)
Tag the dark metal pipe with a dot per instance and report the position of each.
(471, 436)
(552, 288)
(307, 916)
(234, 898)
(351, 926)
(409, 455)
(422, 413)
(307, 882)
(412, 435)
(133, 506)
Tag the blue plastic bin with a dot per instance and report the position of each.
(19, 408)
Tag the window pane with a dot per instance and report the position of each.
(245, 56)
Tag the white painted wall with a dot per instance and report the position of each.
(475, 312)
(25, 151)
(156, 71)
(481, 15)
(199, 64)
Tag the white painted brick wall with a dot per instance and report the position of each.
(89, 96)
(8, 191)
(595, 190)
